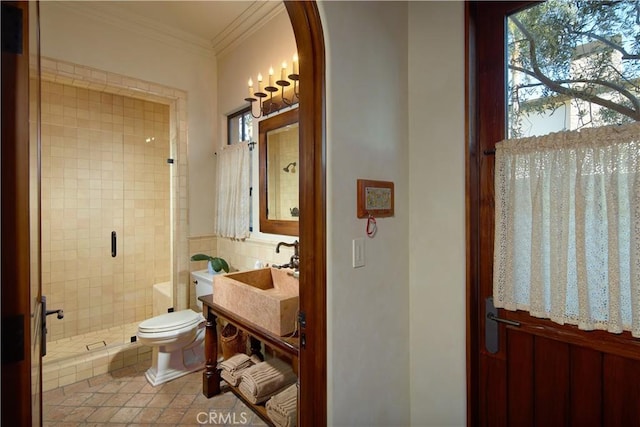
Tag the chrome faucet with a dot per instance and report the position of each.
(294, 262)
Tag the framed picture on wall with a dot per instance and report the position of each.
(375, 198)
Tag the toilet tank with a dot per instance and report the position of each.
(203, 282)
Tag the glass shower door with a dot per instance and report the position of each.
(147, 200)
(105, 220)
(82, 206)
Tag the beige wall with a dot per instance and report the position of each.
(100, 174)
(366, 122)
(395, 111)
(437, 213)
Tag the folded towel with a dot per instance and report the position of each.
(261, 381)
(232, 378)
(231, 369)
(236, 362)
(282, 407)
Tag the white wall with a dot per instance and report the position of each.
(268, 46)
(367, 307)
(73, 34)
(395, 111)
(437, 213)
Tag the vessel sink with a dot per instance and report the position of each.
(267, 297)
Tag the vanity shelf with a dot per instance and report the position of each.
(287, 346)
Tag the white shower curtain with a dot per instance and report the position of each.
(232, 219)
(567, 227)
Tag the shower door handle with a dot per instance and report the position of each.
(114, 239)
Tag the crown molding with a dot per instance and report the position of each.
(140, 25)
(251, 20)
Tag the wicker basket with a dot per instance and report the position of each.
(232, 341)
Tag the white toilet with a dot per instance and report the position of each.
(177, 338)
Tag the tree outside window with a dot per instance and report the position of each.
(573, 64)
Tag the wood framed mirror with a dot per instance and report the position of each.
(279, 178)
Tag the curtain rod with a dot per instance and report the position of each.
(250, 144)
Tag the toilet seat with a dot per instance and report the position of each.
(170, 322)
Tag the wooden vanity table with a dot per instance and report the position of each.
(286, 346)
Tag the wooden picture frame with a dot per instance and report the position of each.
(375, 198)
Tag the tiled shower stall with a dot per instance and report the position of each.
(106, 141)
(104, 171)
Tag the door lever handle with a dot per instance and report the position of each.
(495, 318)
(491, 331)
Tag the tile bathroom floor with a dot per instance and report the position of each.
(124, 398)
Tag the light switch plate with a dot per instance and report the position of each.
(358, 252)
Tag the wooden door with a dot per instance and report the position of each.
(541, 374)
(21, 305)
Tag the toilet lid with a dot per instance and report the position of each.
(171, 321)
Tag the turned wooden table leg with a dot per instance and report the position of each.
(211, 374)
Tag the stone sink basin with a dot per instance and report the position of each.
(267, 297)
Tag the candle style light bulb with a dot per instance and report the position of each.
(295, 63)
(250, 87)
(259, 82)
(283, 73)
(270, 76)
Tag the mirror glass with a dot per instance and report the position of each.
(282, 179)
(279, 175)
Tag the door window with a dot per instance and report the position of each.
(564, 236)
(572, 64)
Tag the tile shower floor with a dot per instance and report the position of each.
(80, 357)
(91, 341)
(124, 398)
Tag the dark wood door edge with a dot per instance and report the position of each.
(474, 158)
(307, 28)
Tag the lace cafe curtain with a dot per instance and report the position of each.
(232, 219)
(567, 227)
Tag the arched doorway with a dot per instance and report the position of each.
(307, 28)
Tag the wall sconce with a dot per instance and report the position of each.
(275, 101)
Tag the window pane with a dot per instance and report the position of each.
(234, 130)
(573, 64)
(247, 127)
(240, 129)
(239, 126)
